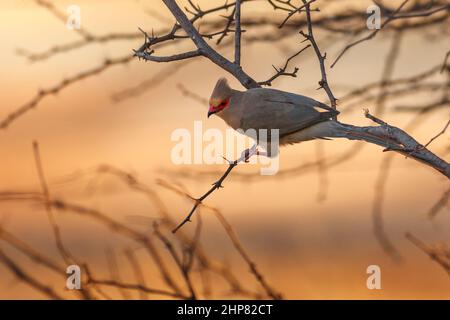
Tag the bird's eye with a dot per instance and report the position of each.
(224, 103)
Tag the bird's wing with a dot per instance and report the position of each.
(288, 112)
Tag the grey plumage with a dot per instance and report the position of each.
(275, 109)
(298, 118)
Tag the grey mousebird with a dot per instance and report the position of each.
(298, 118)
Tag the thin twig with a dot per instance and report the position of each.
(441, 203)
(43, 93)
(383, 175)
(444, 64)
(237, 34)
(184, 271)
(65, 254)
(206, 264)
(205, 49)
(291, 13)
(138, 273)
(114, 271)
(253, 268)
(218, 184)
(236, 287)
(115, 226)
(369, 36)
(27, 278)
(439, 134)
(282, 71)
(323, 83)
(138, 287)
(441, 258)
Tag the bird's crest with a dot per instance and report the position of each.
(222, 91)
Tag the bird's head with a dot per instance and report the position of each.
(220, 98)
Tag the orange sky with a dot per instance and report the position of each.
(322, 248)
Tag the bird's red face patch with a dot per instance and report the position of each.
(216, 107)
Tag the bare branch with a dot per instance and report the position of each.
(119, 228)
(187, 93)
(65, 254)
(445, 65)
(204, 49)
(184, 271)
(321, 172)
(28, 279)
(66, 47)
(370, 36)
(237, 34)
(441, 203)
(227, 28)
(218, 184)
(423, 108)
(60, 16)
(205, 262)
(423, 13)
(253, 268)
(393, 16)
(236, 244)
(377, 217)
(399, 141)
(41, 94)
(282, 71)
(114, 272)
(389, 83)
(150, 83)
(438, 135)
(181, 56)
(323, 83)
(442, 258)
(291, 13)
(138, 273)
(138, 287)
(383, 175)
(33, 254)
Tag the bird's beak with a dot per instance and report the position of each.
(211, 111)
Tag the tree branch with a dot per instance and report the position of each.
(395, 139)
(139, 287)
(181, 56)
(439, 134)
(323, 83)
(441, 257)
(393, 16)
(184, 271)
(218, 184)
(65, 254)
(43, 93)
(206, 50)
(237, 34)
(441, 203)
(291, 13)
(21, 274)
(282, 71)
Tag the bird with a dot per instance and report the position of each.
(298, 118)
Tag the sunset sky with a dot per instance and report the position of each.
(306, 248)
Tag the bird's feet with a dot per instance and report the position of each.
(248, 153)
(261, 153)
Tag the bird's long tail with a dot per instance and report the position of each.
(341, 130)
